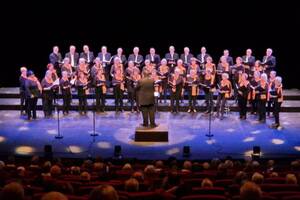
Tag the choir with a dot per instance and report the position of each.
(247, 80)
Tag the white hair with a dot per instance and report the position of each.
(177, 70)
(273, 72)
(269, 49)
(2, 164)
(279, 79)
(64, 73)
(225, 75)
(223, 58)
(97, 59)
(116, 59)
(130, 62)
(48, 72)
(257, 73)
(147, 61)
(179, 60)
(264, 76)
(164, 60)
(192, 70)
(81, 60)
(186, 48)
(66, 58)
(23, 69)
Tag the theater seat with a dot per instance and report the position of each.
(193, 182)
(140, 195)
(225, 183)
(296, 197)
(72, 197)
(264, 197)
(281, 195)
(279, 187)
(210, 175)
(275, 180)
(212, 190)
(234, 189)
(203, 197)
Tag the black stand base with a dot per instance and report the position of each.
(209, 135)
(59, 137)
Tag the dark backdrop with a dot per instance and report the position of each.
(30, 29)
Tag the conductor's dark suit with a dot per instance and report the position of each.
(145, 88)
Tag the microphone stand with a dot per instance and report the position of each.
(58, 136)
(210, 135)
(94, 133)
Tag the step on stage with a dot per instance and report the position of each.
(147, 134)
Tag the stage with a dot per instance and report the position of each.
(231, 136)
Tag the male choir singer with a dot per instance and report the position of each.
(145, 88)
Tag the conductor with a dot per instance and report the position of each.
(145, 90)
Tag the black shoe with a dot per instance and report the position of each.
(274, 125)
(144, 125)
(153, 125)
(262, 121)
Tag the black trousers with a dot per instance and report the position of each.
(254, 103)
(163, 95)
(175, 96)
(131, 96)
(23, 101)
(192, 100)
(66, 102)
(242, 101)
(82, 103)
(148, 112)
(118, 97)
(221, 102)
(47, 104)
(261, 107)
(270, 107)
(31, 107)
(276, 110)
(100, 99)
